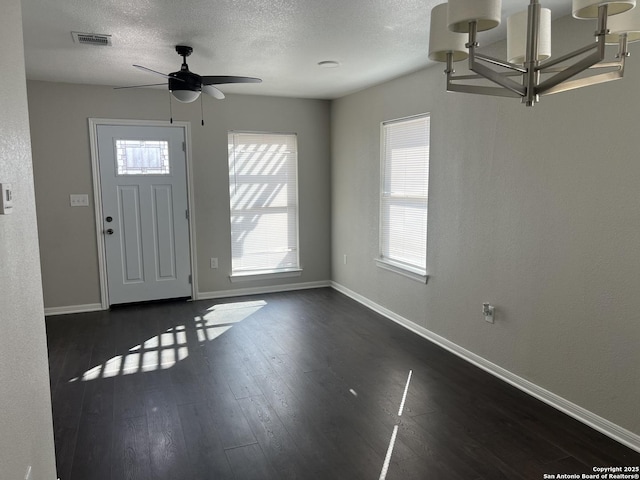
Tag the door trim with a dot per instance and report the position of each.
(97, 197)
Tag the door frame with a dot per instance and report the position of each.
(97, 197)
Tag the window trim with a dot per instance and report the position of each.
(270, 273)
(407, 270)
(265, 274)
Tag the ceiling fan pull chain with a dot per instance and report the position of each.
(201, 110)
(170, 109)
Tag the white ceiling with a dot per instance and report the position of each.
(280, 41)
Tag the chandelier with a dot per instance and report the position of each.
(529, 71)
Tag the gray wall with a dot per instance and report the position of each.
(536, 210)
(25, 406)
(62, 166)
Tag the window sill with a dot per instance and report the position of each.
(264, 275)
(404, 270)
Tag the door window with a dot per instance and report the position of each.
(142, 157)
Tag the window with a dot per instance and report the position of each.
(142, 157)
(264, 204)
(404, 195)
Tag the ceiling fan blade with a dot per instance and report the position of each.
(157, 73)
(220, 79)
(213, 91)
(140, 86)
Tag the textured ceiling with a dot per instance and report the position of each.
(280, 41)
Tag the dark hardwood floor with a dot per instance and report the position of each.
(301, 385)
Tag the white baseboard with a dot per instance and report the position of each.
(91, 307)
(238, 292)
(616, 432)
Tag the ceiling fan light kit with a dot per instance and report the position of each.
(184, 96)
(529, 70)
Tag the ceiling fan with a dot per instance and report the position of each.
(186, 86)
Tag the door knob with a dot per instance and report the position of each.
(109, 231)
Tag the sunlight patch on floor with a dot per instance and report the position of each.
(163, 351)
(157, 353)
(220, 318)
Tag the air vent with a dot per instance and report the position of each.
(92, 39)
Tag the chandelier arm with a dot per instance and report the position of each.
(494, 76)
(485, 71)
(571, 71)
(616, 65)
(452, 87)
(584, 82)
(480, 77)
(585, 63)
(619, 65)
(500, 63)
(480, 90)
(581, 51)
(598, 78)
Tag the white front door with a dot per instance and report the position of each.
(145, 212)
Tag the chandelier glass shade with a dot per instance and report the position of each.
(529, 71)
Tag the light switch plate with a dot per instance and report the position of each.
(6, 199)
(79, 200)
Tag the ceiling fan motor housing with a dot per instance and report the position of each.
(187, 81)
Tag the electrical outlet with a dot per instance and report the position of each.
(488, 311)
(345, 258)
(214, 262)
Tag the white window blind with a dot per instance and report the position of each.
(404, 193)
(264, 202)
